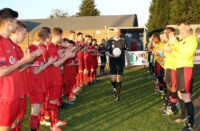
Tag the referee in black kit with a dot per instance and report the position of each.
(117, 64)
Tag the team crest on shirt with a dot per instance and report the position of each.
(12, 60)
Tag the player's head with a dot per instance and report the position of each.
(65, 42)
(88, 39)
(72, 35)
(71, 42)
(156, 38)
(183, 27)
(80, 36)
(42, 35)
(103, 40)
(117, 32)
(57, 34)
(20, 34)
(169, 30)
(47, 30)
(8, 20)
(94, 42)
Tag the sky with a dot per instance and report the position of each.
(36, 9)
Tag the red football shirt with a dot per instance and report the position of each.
(89, 54)
(80, 56)
(20, 55)
(54, 73)
(38, 82)
(11, 85)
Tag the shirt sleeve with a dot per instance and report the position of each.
(187, 51)
(2, 57)
(108, 45)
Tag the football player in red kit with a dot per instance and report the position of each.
(70, 71)
(38, 76)
(88, 59)
(11, 87)
(56, 77)
(80, 55)
(17, 38)
(95, 60)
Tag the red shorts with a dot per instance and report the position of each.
(37, 97)
(22, 107)
(173, 74)
(54, 92)
(158, 68)
(8, 112)
(184, 79)
(81, 67)
(170, 78)
(88, 64)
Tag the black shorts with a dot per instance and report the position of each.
(170, 78)
(184, 79)
(116, 67)
(103, 59)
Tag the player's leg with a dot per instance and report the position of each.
(8, 114)
(35, 111)
(21, 112)
(85, 75)
(174, 95)
(186, 96)
(53, 112)
(36, 100)
(170, 100)
(113, 75)
(120, 70)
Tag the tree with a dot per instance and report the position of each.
(57, 13)
(184, 9)
(88, 8)
(158, 17)
(164, 12)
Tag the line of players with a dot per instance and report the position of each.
(171, 62)
(36, 73)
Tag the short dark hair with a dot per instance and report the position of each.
(79, 33)
(89, 36)
(185, 22)
(57, 31)
(65, 40)
(6, 13)
(71, 42)
(21, 24)
(46, 29)
(94, 40)
(156, 35)
(170, 28)
(42, 33)
(72, 32)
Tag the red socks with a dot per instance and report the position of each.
(34, 122)
(19, 127)
(86, 79)
(79, 81)
(53, 111)
(93, 75)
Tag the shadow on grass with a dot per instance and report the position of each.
(195, 97)
(102, 112)
(96, 108)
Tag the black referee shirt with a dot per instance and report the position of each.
(120, 43)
